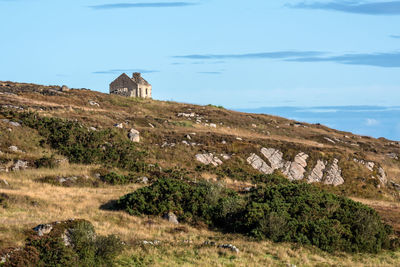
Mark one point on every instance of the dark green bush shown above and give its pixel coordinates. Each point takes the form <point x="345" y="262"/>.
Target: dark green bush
<point x="279" y="210"/>
<point x="108" y="147"/>
<point x="85" y="248"/>
<point x="190" y="203"/>
<point x="305" y="214"/>
<point x="117" y="179"/>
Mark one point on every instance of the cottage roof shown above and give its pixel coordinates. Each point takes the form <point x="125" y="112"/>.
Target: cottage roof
<point x="137" y="78"/>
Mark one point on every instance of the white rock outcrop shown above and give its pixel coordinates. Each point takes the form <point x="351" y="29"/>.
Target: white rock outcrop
<point x="317" y="174"/>
<point x="334" y="174"/>
<point x="295" y="170"/>
<point x="208" y="158"/>
<point x="274" y="156"/>
<point x="259" y="164"/>
<point x="134" y="135"/>
<point x="382" y="176"/>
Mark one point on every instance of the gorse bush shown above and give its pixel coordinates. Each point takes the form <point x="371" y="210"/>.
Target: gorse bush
<point x="82" y="248"/>
<point x="108" y="147"/>
<point x="190" y="203"/>
<point x="283" y="212"/>
<point x="117" y="179"/>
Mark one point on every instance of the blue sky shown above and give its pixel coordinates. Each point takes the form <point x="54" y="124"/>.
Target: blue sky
<point x="232" y="53"/>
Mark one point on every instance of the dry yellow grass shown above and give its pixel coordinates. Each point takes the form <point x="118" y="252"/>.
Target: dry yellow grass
<point x="180" y="245"/>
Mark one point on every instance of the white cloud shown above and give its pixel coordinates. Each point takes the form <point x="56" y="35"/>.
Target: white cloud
<point x="371" y="122"/>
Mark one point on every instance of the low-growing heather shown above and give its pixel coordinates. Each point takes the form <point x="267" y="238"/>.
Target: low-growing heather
<point x="278" y="210"/>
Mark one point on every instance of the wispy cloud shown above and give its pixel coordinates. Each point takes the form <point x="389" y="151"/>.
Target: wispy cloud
<point x="386" y="60"/>
<point x="119" y="71"/>
<point x="395" y="36"/>
<point x="371" y="122"/>
<point x="210" y="72"/>
<point x="358" y="7"/>
<point x="142" y="5"/>
<point x="271" y="55"/>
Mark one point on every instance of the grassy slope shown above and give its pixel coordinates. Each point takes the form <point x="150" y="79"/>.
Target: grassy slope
<point x="33" y="203"/>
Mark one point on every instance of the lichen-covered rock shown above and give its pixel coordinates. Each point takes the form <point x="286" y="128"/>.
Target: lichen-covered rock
<point x="134" y="135"/>
<point x="230" y="247"/>
<point x="334" y="174"/>
<point x="13" y="149"/>
<point x="274" y="156"/>
<point x="43" y="229"/>
<point x="295" y="170"/>
<point x="19" y="165"/>
<point x="382" y="175"/>
<point x="171" y="217"/>
<point x="368" y="164"/>
<point x="317" y="173"/>
<point x="208" y="158"/>
<point x="257" y="163"/>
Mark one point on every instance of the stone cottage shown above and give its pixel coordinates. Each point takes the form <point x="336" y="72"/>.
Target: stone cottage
<point x="131" y="87"/>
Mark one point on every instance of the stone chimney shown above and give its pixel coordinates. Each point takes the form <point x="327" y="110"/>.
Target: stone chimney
<point x="136" y="75"/>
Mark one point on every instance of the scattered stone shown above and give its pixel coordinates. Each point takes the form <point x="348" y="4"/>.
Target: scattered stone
<point x="92" y="128"/>
<point x="213" y="125"/>
<point x="119" y="125"/>
<point x="209" y="243"/>
<point x="329" y="140"/>
<point x="230" y="247"/>
<point x="334" y="174"/>
<point x="226" y="156"/>
<point x="393" y="156"/>
<point x="254" y="125"/>
<point x="395" y="186"/>
<point x="19" y="165"/>
<point x="239" y="139"/>
<point x="188" y="137"/>
<point x="3" y="182"/>
<point x="153" y="243"/>
<point x="185" y="142"/>
<point x="43" y="229"/>
<point x="15" y="124"/>
<point x="223" y="142"/>
<point x="62" y="180"/>
<point x="171" y="217"/>
<point x="151" y="125"/>
<point x="317" y="173"/>
<point x="92" y="103"/>
<point x="187" y="115"/>
<point x="134" y="135"/>
<point x="208" y="158"/>
<point x="13" y="149"/>
<point x="368" y="164"/>
<point x="144" y="180"/>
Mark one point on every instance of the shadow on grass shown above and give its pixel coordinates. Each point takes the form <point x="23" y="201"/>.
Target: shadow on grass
<point x="110" y="206"/>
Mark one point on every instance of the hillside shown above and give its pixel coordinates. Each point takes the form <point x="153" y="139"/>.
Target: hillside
<point x="44" y="179"/>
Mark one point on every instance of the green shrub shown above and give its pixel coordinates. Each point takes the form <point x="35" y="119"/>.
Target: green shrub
<point x="305" y="214"/>
<point x="189" y="203"/>
<point x="278" y="210"/>
<point x="117" y="179"/>
<point x="108" y="147"/>
<point x="85" y="248"/>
